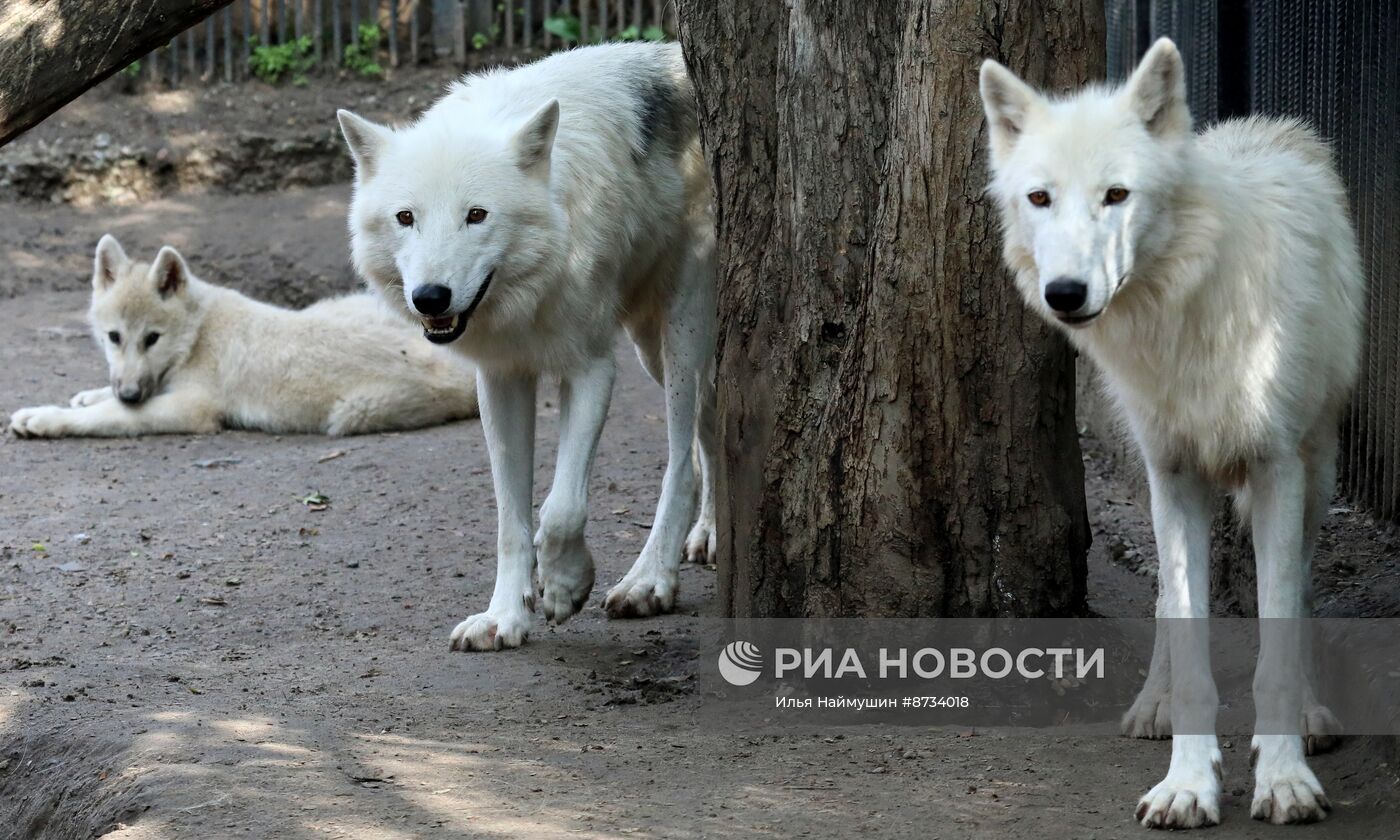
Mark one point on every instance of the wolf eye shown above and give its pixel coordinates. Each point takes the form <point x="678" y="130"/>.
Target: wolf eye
<point x="405" y="217"/>
<point x="151" y="339"/>
<point x="1115" y="195"/>
<point x="476" y="216"/>
<point x="114" y="337"/>
<point x="1040" y="198"/>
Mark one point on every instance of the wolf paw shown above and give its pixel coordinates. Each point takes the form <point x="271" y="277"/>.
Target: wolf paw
<point x="645" y="591"/>
<point x="1321" y="730"/>
<point x="700" y="545"/>
<point x="1285" y="788"/>
<point x="1150" y="717"/>
<point x="82" y="399"/>
<point x="42" y="421"/>
<point x="1189" y="797"/>
<point x="492" y="631"/>
<point x="565" y="578"/>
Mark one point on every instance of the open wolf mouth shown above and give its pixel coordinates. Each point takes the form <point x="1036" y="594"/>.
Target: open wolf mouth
<point x="449" y="328"/>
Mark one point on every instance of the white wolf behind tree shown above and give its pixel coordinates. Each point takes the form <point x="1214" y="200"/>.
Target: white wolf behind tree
<point x="1214" y="279"/>
<point x="527" y="218"/>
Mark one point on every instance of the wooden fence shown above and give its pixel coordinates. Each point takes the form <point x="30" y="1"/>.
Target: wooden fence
<point x="313" y="35"/>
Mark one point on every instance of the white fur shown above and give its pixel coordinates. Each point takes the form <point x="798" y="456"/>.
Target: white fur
<point x="1223" y="308"/>
<point x="597" y="218"/>
<point x="341" y="366"/>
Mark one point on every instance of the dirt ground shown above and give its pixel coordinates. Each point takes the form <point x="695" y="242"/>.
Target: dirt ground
<point x="186" y="650"/>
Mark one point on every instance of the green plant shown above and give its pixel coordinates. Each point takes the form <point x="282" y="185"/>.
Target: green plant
<point x="480" y="41"/>
<point x="564" y="27"/>
<point x="362" y="56"/>
<point x="270" y="62"/>
<point x="132" y="70"/>
<point x="633" y="33"/>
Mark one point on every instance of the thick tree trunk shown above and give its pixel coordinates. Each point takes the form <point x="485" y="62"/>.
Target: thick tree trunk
<point x="897" y="430"/>
<point x="52" y="51"/>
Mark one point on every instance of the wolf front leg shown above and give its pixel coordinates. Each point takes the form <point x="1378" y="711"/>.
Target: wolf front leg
<point x="174" y="412"/>
<point x="565" y="564"/>
<point x="91" y="397"/>
<point x="508" y="419"/>
<point x="1285" y="788"/>
<point x="1189" y="796"/>
<point x="687" y="347"/>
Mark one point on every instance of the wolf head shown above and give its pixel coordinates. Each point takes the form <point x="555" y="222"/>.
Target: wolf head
<point x="458" y="215"/>
<point x="1083" y="182"/>
<point x="142" y="317"/>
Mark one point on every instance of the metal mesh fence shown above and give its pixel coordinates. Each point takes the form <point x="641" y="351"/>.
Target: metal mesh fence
<point x="1335" y="63"/>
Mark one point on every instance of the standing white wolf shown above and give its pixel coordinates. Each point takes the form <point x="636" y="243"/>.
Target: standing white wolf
<point x="526" y="218"/>
<point x="185" y="356"/>
<point x="1214" y="280"/>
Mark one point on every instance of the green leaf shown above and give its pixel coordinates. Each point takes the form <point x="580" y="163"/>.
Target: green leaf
<point x="564" y="27"/>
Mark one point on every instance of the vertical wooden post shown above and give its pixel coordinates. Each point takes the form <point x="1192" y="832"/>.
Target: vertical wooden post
<point x="509" y="7"/>
<point x="393" y="33"/>
<point x="192" y="53"/>
<point x="415" y="31"/>
<point x="337" y="48"/>
<point x="318" y="29"/>
<point x="228" y="44"/>
<point x="658" y="12"/>
<point x="265" y="23"/>
<point x="210" y="53"/>
<point x="281" y="21"/>
<point x="153" y="65"/>
<point x="583" y="27"/>
<point x="174" y="52"/>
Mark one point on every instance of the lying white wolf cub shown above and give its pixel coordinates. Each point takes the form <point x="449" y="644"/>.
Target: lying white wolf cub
<point x="526" y="219"/>
<point x="187" y="356"/>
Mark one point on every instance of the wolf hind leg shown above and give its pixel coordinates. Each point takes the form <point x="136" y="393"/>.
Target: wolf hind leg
<point x="700" y="543"/>
<point x="401" y="406"/>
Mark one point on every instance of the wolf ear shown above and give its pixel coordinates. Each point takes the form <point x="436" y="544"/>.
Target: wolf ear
<point x="1008" y="102"/>
<point x="109" y="262"/>
<point x="169" y="272"/>
<point x="534" y="142"/>
<point x="1157" y="90"/>
<point x="365" y="139"/>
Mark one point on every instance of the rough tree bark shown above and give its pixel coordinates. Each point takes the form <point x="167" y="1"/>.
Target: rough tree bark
<point x="897" y="431"/>
<point x="52" y="51"/>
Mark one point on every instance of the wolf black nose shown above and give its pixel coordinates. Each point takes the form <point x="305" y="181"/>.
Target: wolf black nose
<point x="131" y="395"/>
<point x="432" y="299"/>
<point x="1064" y="295"/>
